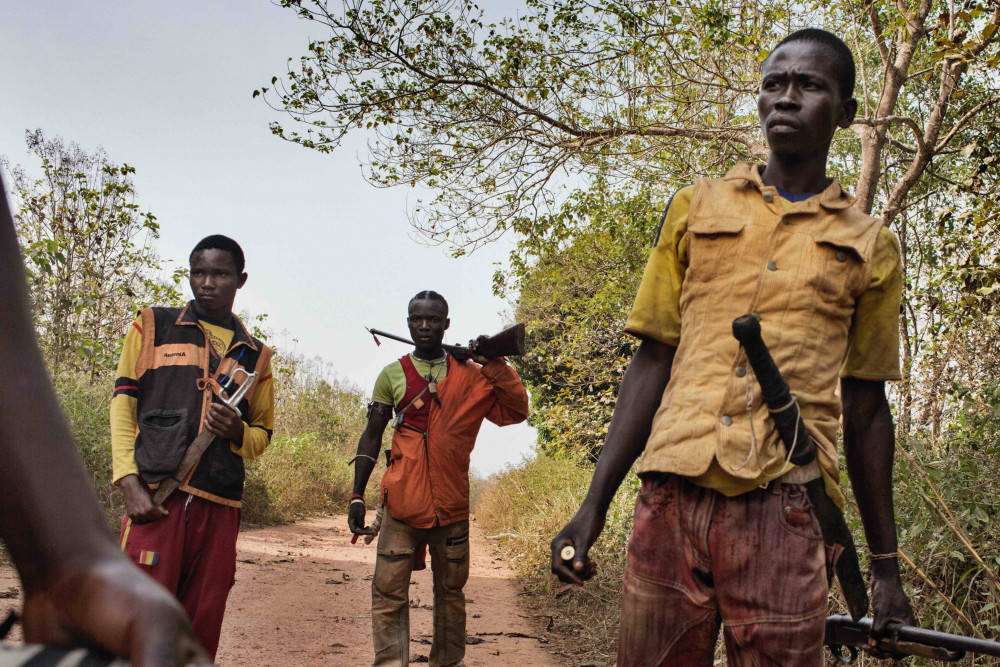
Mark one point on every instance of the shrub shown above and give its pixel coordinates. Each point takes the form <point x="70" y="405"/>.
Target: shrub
<point x="299" y="476"/>
<point x="85" y="401"/>
<point x="525" y="507"/>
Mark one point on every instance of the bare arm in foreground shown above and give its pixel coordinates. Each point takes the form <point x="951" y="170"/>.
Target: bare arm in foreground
<point x="639" y="397"/>
<point x="78" y="586"/>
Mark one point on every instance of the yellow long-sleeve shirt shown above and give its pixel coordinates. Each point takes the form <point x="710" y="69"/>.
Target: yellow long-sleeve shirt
<point x="257" y="426"/>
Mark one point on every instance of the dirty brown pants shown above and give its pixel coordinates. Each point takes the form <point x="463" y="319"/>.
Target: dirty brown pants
<point x="397" y="543"/>
<point x="754" y="563"/>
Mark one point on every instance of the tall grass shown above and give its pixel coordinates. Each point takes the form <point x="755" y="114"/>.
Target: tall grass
<point x="524" y="507"/>
<point x="947" y="500"/>
<point x="85" y="402"/>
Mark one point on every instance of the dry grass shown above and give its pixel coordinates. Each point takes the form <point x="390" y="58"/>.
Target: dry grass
<point x="524" y="508"/>
<point x="300" y="476"/>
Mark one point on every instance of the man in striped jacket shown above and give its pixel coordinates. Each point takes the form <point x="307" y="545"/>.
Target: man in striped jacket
<point x="172" y="364"/>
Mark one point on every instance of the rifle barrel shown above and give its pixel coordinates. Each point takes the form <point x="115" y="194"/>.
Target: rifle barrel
<point x="460" y="352"/>
<point x="924" y="636"/>
<point x="386" y="334"/>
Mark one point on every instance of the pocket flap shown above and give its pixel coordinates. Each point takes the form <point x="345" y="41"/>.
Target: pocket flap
<point x="856" y="239"/>
<point x="716" y="225"/>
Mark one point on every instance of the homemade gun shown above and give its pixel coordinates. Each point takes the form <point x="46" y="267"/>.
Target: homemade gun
<point x="231" y="398"/>
<point x="900" y="640"/>
<point x="507" y="343"/>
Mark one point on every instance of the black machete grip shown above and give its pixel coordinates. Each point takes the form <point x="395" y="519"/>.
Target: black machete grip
<point x="775" y="391"/>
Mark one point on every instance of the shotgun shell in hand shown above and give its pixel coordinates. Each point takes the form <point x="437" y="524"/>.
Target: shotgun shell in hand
<point x="567" y="552"/>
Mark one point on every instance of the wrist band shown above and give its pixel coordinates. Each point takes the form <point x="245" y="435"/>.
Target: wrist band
<point x="357" y="500"/>
<point x="889" y="556"/>
<point x="362" y="456"/>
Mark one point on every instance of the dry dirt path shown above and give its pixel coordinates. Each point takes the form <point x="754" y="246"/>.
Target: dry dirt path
<point x="303" y="597"/>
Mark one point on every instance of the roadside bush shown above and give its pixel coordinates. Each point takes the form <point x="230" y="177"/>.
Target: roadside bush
<point x="304" y="472"/>
<point x="85" y="400"/>
<point x="524" y="508"/>
<point x="299" y="476"/>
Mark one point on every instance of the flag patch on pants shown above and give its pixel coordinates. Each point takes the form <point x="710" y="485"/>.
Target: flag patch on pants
<point x="149" y="558"/>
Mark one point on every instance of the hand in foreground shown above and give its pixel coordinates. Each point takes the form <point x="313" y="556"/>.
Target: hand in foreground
<point x="889" y="604"/>
<point x="224" y="422"/>
<point x="138" y="502"/>
<point x="111" y="604"/>
<point x="356" y="519"/>
<point x="580" y="533"/>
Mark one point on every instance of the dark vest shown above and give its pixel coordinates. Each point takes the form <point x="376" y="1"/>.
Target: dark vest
<point x="175" y="362"/>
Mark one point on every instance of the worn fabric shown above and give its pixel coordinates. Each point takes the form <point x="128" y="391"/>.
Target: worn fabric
<point x="698" y="559"/>
<point x="825" y="280"/>
<point x="161" y="396"/>
<point x="427" y="481"/>
<point x="192" y="553"/>
<point x="397" y="545"/>
<point x="391" y="383"/>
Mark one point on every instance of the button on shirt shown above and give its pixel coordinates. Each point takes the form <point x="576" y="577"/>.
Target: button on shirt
<point x="825" y="279"/>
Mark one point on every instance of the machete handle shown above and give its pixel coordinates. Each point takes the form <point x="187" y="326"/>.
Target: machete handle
<point x="775" y="391"/>
<point x="746" y="329"/>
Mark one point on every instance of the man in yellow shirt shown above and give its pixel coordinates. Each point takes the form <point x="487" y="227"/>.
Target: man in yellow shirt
<point x="173" y="362"/>
<point x="724" y="532"/>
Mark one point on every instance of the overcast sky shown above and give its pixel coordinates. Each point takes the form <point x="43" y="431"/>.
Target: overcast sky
<point x="165" y="87"/>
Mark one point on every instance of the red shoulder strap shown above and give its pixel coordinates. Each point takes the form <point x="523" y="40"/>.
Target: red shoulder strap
<point x="414" y="416"/>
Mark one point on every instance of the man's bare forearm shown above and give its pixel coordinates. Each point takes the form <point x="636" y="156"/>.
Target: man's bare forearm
<point x="869" y="447"/>
<point x="368" y="446"/>
<point x="51" y="516"/>
<point x="638" y="399"/>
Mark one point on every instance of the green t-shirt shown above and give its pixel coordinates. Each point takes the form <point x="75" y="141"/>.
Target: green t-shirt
<point x="390" y="387"/>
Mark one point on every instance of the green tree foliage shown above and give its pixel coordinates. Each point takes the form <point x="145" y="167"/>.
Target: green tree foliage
<point x="492" y="115"/>
<point x="87" y="250"/>
<point x="503" y="120"/>
<point x="573" y="123"/>
<point x="576" y="295"/>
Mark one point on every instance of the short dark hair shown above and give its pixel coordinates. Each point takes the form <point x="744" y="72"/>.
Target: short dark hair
<point x="220" y="242"/>
<point x="841" y="54"/>
<point x="429" y="295"/>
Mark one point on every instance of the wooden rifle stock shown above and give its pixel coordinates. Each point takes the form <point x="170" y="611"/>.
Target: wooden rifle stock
<point x="507" y="343"/>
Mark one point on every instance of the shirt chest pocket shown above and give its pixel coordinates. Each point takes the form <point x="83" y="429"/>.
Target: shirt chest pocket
<point x="714" y="246"/>
<point x="836" y="269"/>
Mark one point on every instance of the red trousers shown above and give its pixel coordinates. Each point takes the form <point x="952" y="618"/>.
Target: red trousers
<point x="755" y="564"/>
<point x="191" y="552"/>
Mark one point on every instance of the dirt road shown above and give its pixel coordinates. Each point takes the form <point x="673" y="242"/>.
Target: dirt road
<point x="303" y="595"/>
